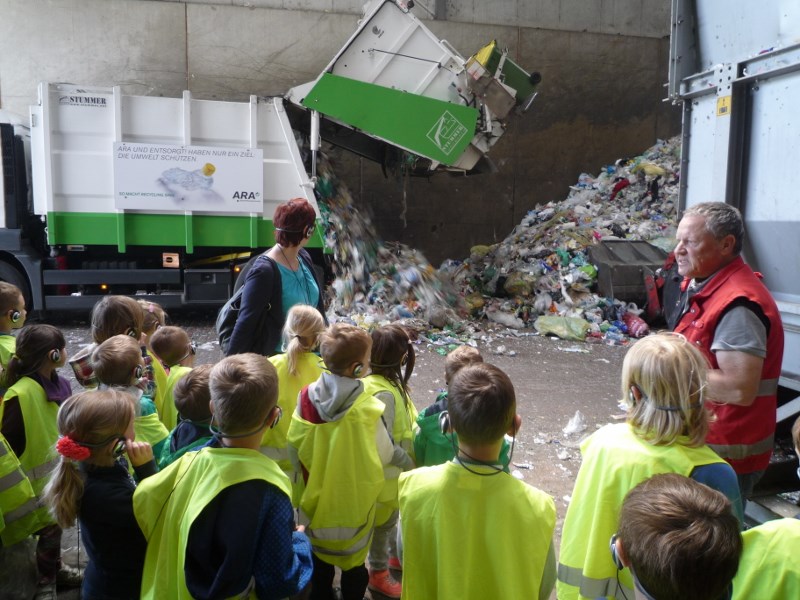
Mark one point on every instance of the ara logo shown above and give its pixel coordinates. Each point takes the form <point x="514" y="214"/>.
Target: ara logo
<point x="96" y="101"/>
<point x="446" y="132"/>
<point x="244" y="196"/>
<point x="377" y="31"/>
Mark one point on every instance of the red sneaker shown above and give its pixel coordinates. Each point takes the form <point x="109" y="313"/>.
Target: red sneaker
<point x="394" y="563"/>
<point x="383" y="583"/>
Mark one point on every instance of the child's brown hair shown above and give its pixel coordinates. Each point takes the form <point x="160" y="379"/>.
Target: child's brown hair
<point x="341" y="345"/>
<point x="171" y="344"/>
<point x="482" y="404"/>
<point x="36" y="345"/>
<point x="9" y="295"/>
<point x="92" y="417"/>
<point x="458" y="359"/>
<point x="393" y="356"/>
<point x="153" y="316"/>
<point x="192" y="394"/>
<point x="114" y="315"/>
<point x="115" y="361"/>
<point x="244" y="388"/>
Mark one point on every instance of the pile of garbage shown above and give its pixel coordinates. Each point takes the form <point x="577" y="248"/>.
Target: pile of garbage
<point x="540" y="276"/>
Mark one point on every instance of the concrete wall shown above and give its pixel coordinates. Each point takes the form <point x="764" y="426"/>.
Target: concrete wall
<point x="604" y="63"/>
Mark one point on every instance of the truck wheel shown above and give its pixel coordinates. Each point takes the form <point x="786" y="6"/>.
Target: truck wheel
<point x="11" y="275"/>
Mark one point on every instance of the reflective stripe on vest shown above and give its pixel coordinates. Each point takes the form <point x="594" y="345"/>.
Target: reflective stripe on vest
<point x="767" y="387"/>
<point x="592" y="588"/>
<point x="42" y="470"/>
<point x="10" y="480"/>
<point x="274" y="442"/>
<point x="345" y="476"/>
<point x="740" y="451"/>
<point x="39" y="417"/>
<point x="18" y="505"/>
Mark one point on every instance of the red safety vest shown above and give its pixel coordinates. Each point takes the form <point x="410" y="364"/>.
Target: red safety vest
<point x="742" y="435"/>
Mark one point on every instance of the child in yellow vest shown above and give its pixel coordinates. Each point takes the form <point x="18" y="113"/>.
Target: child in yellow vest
<point x="91" y="483"/>
<point x="29" y="412"/>
<point x="153" y="318"/>
<point x="218" y="521"/>
<point x="176" y="351"/>
<point x="680" y="539"/>
<point x="12" y="316"/>
<point x="469" y="529"/>
<point x="118" y="364"/>
<point x="338" y="443"/>
<point x="192" y="400"/>
<point x="663" y="382"/>
<point x="391" y="366"/>
<point x="298" y="366"/>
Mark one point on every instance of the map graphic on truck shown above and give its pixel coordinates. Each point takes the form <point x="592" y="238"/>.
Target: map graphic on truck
<point x="190" y="185"/>
<point x="167" y="177"/>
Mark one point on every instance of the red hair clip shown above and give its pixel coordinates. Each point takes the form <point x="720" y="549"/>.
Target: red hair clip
<point x="69" y="448"/>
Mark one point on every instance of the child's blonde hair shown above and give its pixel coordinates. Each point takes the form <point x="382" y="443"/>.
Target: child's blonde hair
<point x="192" y="396"/>
<point x="670" y="376"/>
<point x="114" y="361"/>
<point x="304" y="325"/>
<point x="341" y="345"/>
<point x="91" y="417"/>
<point x="244" y="388"/>
<point x="171" y="345"/>
<point x="114" y="315"/>
<point x="459" y="358"/>
<point x="153" y="316"/>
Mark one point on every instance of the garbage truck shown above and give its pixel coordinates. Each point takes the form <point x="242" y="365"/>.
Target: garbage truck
<point x="735" y="72"/>
<point x="163" y="198"/>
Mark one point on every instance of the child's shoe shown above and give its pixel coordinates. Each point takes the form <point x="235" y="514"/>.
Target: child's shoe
<point x="395" y="564"/>
<point x="69" y="576"/>
<point x="383" y="583"/>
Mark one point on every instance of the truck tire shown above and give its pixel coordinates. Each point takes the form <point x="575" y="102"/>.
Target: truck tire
<point x="10" y="274"/>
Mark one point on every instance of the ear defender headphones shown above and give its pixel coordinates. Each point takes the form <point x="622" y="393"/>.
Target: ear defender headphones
<point x="444" y="422"/>
<point x="307" y="231"/>
<point x="403" y="361"/>
<point x="131" y="332"/>
<point x="55" y="355"/>
<point x="277" y="420"/>
<point x="14" y="315"/>
<point x="138" y="371"/>
<point x="614" y="555"/>
<point x="357" y="370"/>
<point x="632" y="396"/>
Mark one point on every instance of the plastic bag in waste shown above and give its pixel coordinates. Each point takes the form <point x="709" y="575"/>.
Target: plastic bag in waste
<point x="576" y="424"/>
<point x="567" y="328"/>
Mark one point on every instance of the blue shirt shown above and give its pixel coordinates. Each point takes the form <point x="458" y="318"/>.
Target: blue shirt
<point x="297" y="287"/>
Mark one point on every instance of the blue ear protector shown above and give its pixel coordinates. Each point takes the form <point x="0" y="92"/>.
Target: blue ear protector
<point x="614" y="556"/>
<point x="15" y="316"/>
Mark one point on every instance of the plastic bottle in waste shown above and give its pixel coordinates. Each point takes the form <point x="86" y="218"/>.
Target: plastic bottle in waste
<point x="614" y="337"/>
<point x="636" y="326"/>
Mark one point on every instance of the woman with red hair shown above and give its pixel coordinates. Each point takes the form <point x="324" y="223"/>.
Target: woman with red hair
<point x="277" y="280"/>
